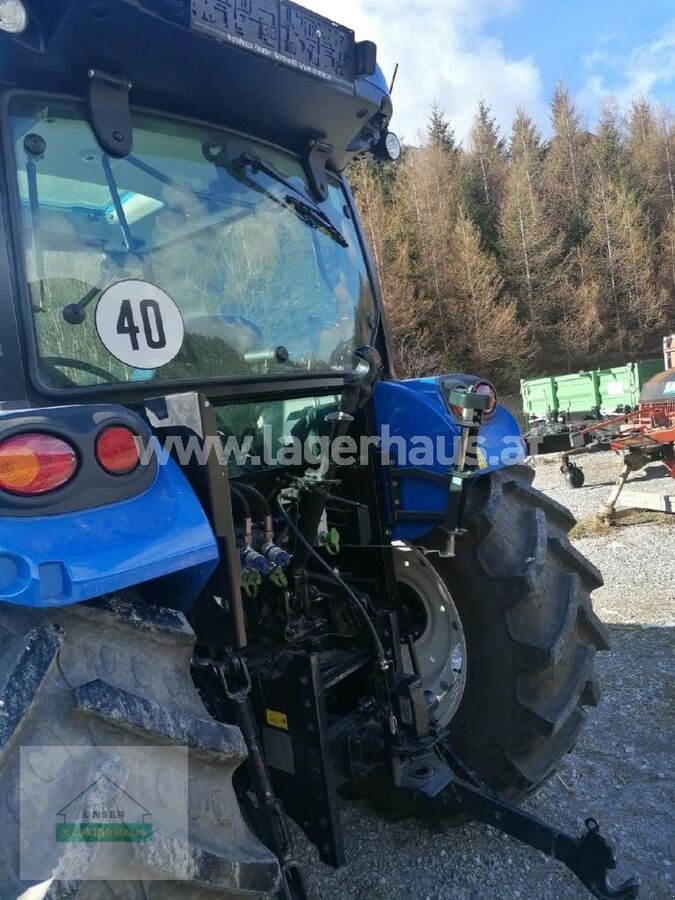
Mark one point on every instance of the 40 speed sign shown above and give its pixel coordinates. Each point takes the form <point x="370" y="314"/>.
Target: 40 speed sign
<point x="139" y="324"/>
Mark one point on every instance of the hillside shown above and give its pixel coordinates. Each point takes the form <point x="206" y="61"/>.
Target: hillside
<point x="514" y="256"/>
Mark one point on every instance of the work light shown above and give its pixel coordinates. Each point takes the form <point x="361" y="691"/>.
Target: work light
<point x="388" y="147"/>
<point x="393" y="146"/>
<point x="13" y="16"/>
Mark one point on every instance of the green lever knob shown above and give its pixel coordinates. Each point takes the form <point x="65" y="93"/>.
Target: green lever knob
<point x="278" y="577"/>
<point x="251" y="583"/>
<point x="330" y="541"/>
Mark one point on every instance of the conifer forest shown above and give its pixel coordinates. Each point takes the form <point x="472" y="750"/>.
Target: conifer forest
<point x="511" y="255"/>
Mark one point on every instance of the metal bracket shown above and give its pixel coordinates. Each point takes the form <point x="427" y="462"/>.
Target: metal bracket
<point x="403" y="691"/>
<point x="109" y="112"/>
<point x="268" y="814"/>
<point x="299" y="753"/>
<point x="315" y="163"/>
<point x="219" y="620"/>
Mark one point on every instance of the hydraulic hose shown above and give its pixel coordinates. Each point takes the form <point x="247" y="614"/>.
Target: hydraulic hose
<point x="356" y="601"/>
<point x="264" y="505"/>
<point x="246" y="509"/>
<point x="256" y="495"/>
<point x="241" y="498"/>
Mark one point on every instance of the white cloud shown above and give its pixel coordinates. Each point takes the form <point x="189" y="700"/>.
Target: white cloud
<point x="444" y="54"/>
<point x="646" y="69"/>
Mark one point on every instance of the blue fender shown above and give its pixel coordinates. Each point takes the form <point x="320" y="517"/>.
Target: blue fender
<point x="418" y="434"/>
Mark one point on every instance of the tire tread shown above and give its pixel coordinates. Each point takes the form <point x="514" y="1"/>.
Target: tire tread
<point x="517" y="563"/>
<point x="53" y="693"/>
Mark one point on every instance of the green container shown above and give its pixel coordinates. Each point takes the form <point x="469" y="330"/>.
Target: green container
<point x="582" y="394"/>
<point x="623" y="386"/>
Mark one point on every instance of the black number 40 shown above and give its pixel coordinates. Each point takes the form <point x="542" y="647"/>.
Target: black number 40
<point x="155" y="336"/>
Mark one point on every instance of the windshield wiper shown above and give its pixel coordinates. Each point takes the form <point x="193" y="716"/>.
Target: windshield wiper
<point x="313" y="216"/>
<point x="305" y="209"/>
<point x="205" y="196"/>
<point x="75" y="313"/>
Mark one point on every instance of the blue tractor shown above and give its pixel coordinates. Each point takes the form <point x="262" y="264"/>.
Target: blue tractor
<point x="242" y="567"/>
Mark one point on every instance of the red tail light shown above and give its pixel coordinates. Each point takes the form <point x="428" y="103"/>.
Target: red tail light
<point x="486" y="388"/>
<point x="117" y="450"/>
<point x="33" y="464"/>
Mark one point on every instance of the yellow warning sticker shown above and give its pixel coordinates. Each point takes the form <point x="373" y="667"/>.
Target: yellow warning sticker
<point x="276" y="719"/>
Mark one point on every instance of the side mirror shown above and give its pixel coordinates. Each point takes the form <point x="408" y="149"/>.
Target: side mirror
<point x="358" y="388"/>
<point x="368" y="366"/>
<point x="367" y="373"/>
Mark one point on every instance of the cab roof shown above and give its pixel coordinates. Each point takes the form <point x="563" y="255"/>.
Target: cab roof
<point x="275" y="70"/>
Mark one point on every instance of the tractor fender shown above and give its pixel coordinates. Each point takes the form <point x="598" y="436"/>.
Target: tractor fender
<point x="418" y="433"/>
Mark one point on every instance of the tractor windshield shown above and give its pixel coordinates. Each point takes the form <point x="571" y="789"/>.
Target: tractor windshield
<point x="200" y="256"/>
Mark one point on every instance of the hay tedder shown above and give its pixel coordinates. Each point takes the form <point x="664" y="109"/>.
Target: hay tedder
<point x="642" y="437"/>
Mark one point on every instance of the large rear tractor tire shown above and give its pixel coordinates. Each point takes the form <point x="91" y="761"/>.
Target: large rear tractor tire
<point x="522" y="592"/>
<point x="81" y="686"/>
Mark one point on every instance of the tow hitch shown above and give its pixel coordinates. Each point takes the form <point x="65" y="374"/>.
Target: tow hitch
<point x="590" y="856"/>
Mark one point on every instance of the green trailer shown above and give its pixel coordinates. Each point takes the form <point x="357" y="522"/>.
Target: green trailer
<point x="588" y="393"/>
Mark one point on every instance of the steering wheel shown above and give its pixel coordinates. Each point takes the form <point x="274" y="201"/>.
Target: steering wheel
<point x="65" y="362"/>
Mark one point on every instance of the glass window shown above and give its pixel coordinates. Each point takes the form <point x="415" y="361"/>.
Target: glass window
<point x="265" y="280"/>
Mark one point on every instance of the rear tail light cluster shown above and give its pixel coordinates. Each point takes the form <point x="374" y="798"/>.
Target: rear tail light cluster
<point x="34" y="464"/>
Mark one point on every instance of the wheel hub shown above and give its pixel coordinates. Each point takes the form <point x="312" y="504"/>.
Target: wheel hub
<point x="428" y="616"/>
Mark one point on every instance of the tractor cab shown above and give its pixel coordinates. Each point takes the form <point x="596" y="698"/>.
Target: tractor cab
<point x="201" y="170"/>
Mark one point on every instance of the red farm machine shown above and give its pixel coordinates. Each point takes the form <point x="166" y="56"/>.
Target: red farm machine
<point x="643" y="436"/>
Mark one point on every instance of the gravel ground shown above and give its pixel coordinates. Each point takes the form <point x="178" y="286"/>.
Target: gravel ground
<point x="621" y="771"/>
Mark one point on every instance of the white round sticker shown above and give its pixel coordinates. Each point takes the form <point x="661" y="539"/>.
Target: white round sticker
<point x="140" y="324"/>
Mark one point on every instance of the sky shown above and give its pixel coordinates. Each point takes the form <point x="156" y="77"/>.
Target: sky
<point x="512" y="53"/>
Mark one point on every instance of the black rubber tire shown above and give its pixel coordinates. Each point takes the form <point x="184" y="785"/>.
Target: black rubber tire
<point x="523" y="595"/>
<point x="116" y="673"/>
<point x="574" y="477"/>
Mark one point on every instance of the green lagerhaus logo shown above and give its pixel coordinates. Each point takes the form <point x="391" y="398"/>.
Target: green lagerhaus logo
<point x="92" y="818"/>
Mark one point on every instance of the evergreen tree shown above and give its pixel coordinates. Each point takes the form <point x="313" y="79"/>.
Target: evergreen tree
<point x="529" y="258"/>
<point x="667" y="266"/>
<point x="428" y="195"/>
<point x="368" y="186"/>
<point x="581" y="316"/>
<point x="526" y="151"/>
<point x="643" y="147"/>
<point x="439" y="130"/>
<point x="625" y="264"/>
<point x="485" y="173"/>
<point x="667" y="143"/>
<point x="531" y="253"/>
<point x="608" y="149"/>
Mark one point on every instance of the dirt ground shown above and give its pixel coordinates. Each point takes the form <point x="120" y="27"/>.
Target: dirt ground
<point x="621" y="771"/>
